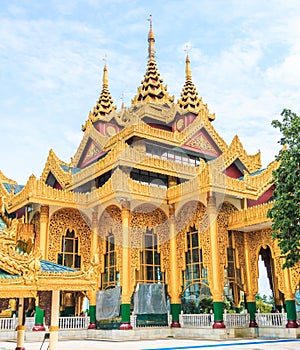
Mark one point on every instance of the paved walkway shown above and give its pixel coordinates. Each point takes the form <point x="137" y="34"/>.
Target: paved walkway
<point x="164" y="344"/>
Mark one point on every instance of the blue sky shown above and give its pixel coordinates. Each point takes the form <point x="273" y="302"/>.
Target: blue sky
<point x="245" y="58"/>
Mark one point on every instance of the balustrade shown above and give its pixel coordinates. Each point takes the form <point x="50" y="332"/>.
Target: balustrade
<point x="236" y="320"/>
<point x="196" y="320"/>
<point x="8" y="323"/>
<point x="271" y="319"/>
<point x="76" y="322"/>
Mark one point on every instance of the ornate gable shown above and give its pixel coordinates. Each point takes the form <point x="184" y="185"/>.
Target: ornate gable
<point x="91" y="153"/>
<point x="203" y="143"/>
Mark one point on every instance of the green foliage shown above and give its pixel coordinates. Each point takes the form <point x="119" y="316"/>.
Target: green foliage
<point x="286" y="210"/>
<point x="264" y="304"/>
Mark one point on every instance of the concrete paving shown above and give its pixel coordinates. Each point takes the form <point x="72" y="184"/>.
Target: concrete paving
<point x="164" y="344"/>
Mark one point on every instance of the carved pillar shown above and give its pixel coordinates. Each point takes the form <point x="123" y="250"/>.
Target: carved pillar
<point x="21" y="325"/>
<point x="53" y="340"/>
<point x="217" y="276"/>
<point x="126" y="267"/>
<point x="92" y="309"/>
<point x="38" y="317"/>
<point x="94" y="247"/>
<point x="95" y="234"/>
<point x="44" y="227"/>
<point x="174" y="277"/>
<point x="289" y="301"/>
<point x="251" y="285"/>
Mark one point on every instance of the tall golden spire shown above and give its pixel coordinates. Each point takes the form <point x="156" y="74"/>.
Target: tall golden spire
<point x="188" y="71"/>
<point x="104" y="104"/>
<point x="152" y="89"/>
<point x="151" y="40"/>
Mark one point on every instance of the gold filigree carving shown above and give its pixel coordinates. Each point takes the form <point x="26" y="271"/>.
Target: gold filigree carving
<point x="69" y="219"/>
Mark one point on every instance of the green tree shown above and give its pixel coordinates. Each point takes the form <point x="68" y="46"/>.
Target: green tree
<point x="263" y="303"/>
<point x="286" y="210"/>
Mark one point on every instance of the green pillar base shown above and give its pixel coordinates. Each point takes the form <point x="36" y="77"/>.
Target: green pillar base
<point x="251" y="307"/>
<point x="218" y="315"/>
<point x="92" y="312"/>
<point x="38" y="320"/>
<point x="125" y="312"/>
<point x="291" y="314"/>
<point x="175" y="311"/>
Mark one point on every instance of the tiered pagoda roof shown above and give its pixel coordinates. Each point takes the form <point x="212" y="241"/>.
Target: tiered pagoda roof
<point x="190" y="101"/>
<point x="152" y="88"/>
<point x="104" y="104"/>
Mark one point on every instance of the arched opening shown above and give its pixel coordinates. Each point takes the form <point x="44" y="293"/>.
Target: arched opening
<point x="196" y="296"/>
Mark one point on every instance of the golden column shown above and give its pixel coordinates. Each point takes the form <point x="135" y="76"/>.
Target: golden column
<point x="21" y="325"/>
<point x="94" y="247"/>
<point x="44" y="227"/>
<point x="251" y="287"/>
<point x="289" y="300"/>
<point x="174" y="276"/>
<point x="53" y="340"/>
<point x="215" y="268"/>
<point x="126" y="267"/>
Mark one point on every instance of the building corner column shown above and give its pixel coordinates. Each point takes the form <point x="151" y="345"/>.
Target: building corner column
<point x="251" y="286"/>
<point x="21" y="325"/>
<point x="174" y="279"/>
<point x="217" y="288"/>
<point x="290" y="303"/>
<point x="92" y="309"/>
<point x="126" y="267"/>
<point x="54" y="327"/>
<point x="38" y="317"/>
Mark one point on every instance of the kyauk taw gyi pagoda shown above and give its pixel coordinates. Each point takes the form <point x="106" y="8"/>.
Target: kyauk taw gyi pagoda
<point x="154" y="217"/>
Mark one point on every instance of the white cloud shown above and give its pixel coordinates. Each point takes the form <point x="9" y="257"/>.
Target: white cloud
<point x="244" y="56"/>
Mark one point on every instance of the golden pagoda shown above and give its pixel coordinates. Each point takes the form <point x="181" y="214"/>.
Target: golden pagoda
<point x="152" y="197"/>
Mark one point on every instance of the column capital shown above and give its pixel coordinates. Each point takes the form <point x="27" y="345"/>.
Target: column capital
<point x="44" y="211"/>
<point x="172" y="211"/>
<point x="211" y="199"/>
<point x="95" y="217"/>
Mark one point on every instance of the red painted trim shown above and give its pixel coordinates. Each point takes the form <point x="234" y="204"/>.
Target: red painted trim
<point x="126" y="326"/>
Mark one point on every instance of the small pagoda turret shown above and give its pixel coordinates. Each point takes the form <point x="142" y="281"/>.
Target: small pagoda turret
<point x="104" y="105"/>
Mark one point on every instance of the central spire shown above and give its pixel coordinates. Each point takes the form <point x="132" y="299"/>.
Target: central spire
<point x="152" y="90"/>
<point x="151" y="40"/>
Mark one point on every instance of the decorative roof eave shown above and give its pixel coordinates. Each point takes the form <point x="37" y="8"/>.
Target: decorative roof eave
<point x="247" y="218"/>
<point x="236" y="151"/>
<point x="3" y="178"/>
<point x="209" y="179"/>
<point x="53" y="165"/>
<point x="262" y="181"/>
<point x="36" y="191"/>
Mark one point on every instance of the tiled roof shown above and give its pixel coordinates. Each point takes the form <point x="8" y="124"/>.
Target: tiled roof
<point x="6" y="275"/>
<point x="9" y="187"/>
<point x="48" y="266"/>
<point x="253" y="174"/>
<point x="66" y="169"/>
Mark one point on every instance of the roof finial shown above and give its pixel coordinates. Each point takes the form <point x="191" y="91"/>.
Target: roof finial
<point x="123" y="103"/>
<point x="151" y="40"/>
<point x="188" y="71"/>
<point x="105" y="75"/>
